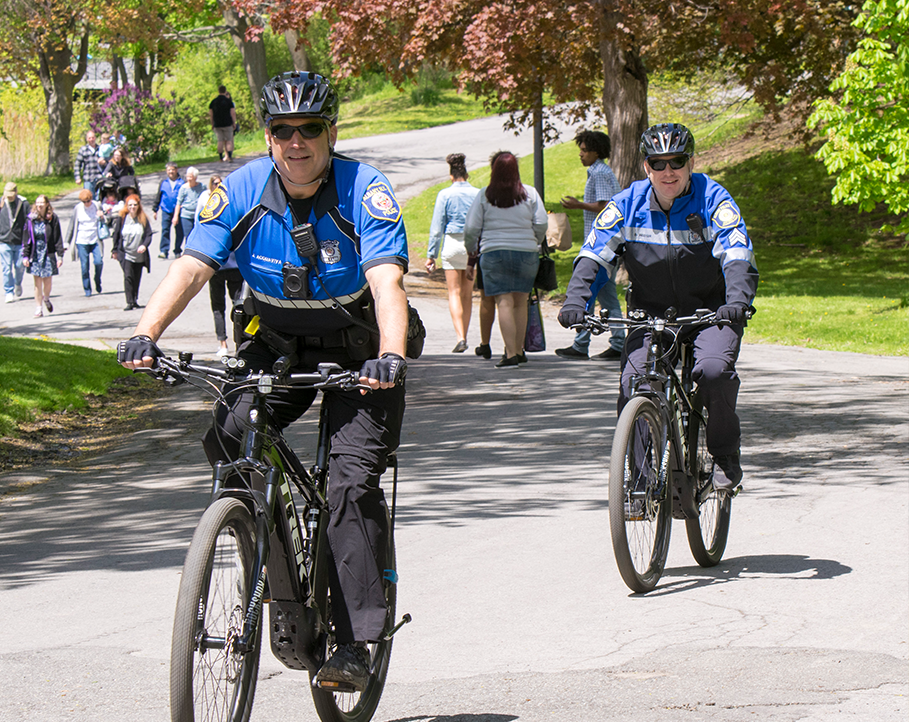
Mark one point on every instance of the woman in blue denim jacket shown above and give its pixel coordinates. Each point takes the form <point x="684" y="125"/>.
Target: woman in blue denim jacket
<point x="446" y="241"/>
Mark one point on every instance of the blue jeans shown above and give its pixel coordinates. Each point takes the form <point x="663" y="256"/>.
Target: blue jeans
<point x="93" y="251"/>
<point x="167" y="218"/>
<point x="90" y="186"/>
<point x="186" y="227"/>
<point x="13" y="270"/>
<point x="609" y="299"/>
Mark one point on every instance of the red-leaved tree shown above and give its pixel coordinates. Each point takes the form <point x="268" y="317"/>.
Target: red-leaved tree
<point x="582" y="51"/>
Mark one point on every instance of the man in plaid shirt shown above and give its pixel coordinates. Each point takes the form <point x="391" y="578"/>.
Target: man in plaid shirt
<point x="88" y="171"/>
<point x="595" y="147"/>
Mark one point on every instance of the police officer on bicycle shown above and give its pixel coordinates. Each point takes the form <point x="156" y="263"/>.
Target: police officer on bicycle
<point x="686" y="247"/>
<point x="320" y="242"/>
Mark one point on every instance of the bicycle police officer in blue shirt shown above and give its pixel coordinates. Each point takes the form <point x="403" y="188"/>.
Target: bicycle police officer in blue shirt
<point x="320" y="242"/>
<point x="685" y="247"/>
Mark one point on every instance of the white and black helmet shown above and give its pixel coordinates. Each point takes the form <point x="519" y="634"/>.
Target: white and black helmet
<point x="667" y="139"/>
<point x="299" y="94"/>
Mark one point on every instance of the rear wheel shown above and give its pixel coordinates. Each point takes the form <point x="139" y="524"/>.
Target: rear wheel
<point x="639" y="503"/>
<point x="707" y="534"/>
<point x="361" y="706"/>
<point x="210" y="679"/>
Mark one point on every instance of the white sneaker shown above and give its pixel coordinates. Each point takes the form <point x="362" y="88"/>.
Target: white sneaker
<point x="222" y="352"/>
<point x="18" y="290"/>
<point x="10" y="298"/>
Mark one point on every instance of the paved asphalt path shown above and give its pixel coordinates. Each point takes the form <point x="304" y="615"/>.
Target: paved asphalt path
<point x="503" y="544"/>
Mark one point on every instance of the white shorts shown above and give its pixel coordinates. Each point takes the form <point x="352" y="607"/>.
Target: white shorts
<point x="454" y="253"/>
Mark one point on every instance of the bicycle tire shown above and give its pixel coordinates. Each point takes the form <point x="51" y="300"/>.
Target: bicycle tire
<point x="708" y="533"/>
<point x="212" y="682"/>
<point x="639" y="519"/>
<point x="361" y="706"/>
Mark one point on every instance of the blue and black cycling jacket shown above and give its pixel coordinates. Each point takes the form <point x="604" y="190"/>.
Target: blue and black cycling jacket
<point x="668" y="263"/>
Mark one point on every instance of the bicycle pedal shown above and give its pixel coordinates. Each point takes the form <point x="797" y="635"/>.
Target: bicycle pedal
<point x="330" y="686"/>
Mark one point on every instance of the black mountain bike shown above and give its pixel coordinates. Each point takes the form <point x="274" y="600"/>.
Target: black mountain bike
<point x="660" y="468"/>
<point x="259" y="542"/>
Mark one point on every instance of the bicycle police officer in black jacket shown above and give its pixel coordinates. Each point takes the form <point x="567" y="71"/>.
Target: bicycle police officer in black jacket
<point x="320" y="242"/>
<point x="686" y="247"/>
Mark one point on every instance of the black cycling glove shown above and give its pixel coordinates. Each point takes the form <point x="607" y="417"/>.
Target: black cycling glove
<point x="137" y="348"/>
<point x="732" y="312"/>
<point x="390" y="368"/>
<point x="578" y="294"/>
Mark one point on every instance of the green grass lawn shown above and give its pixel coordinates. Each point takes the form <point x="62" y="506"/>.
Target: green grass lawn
<point x="39" y="376"/>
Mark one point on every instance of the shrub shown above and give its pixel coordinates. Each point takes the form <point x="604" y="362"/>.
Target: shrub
<point x="150" y="123"/>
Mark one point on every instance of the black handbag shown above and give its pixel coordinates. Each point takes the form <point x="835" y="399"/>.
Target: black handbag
<point x="546" y="279"/>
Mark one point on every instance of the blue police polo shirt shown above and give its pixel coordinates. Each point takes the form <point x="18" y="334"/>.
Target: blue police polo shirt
<point x="357" y="223"/>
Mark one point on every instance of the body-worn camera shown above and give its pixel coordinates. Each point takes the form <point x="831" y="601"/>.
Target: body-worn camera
<point x="296" y="278"/>
<point x="296" y="281"/>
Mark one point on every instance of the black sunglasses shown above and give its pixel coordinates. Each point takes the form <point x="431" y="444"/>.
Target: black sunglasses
<point x="675" y="163"/>
<point x="308" y="131"/>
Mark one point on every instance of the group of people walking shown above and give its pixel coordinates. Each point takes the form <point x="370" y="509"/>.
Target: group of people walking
<point x="33" y="241"/>
<point x="511" y="220"/>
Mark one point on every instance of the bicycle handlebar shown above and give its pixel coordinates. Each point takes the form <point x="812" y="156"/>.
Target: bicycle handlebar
<point x="640" y="319"/>
<point x="329" y="376"/>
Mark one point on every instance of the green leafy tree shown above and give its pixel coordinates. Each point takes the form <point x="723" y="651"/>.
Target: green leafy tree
<point x="867" y="123"/>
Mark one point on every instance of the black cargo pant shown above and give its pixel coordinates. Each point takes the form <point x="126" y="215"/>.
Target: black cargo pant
<point x="716" y="349"/>
<point x="364" y="429"/>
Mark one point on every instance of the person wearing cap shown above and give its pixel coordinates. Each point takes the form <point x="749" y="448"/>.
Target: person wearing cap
<point x="14" y="210"/>
<point x="313" y="293"/>
<point x="685" y="247"/>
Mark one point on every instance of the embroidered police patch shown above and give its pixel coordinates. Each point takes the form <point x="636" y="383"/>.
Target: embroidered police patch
<point x="215" y="205"/>
<point x="380" y="202"/>
<point x="330" y="252"/>
<point x="727" y="215"/>
<point x="608" y="217"/>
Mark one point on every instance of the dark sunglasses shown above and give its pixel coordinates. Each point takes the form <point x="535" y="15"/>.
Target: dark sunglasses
<point x="674" y="163"/>
<point x="307" y="131"/>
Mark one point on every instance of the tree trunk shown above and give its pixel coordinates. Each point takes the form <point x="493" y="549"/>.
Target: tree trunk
<point x="59" y="80"/>
<point x="538" y="181"/>
<point x="144" y="76"/>
<point x="253" y="55"/>
<point x="297" y="51"/>
<point x="624" y="95"/>
<point x="118" y="76"/>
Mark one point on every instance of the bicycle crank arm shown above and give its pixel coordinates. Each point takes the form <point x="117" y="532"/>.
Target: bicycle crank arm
<point x="406" y="619"/>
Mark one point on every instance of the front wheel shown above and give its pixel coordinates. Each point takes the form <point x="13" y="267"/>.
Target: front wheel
<point x="707" y="534"/>
<point x="639" y="504"/>
<point x="361" y="706"/>
<point x="210" y="679"/>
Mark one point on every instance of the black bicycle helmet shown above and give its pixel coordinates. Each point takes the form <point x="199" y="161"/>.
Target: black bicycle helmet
<point x="667" y="139"/>
<point x="297" y="94"/>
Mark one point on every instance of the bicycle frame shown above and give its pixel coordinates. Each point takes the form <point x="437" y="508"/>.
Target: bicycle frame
<point x="672" y="394"/>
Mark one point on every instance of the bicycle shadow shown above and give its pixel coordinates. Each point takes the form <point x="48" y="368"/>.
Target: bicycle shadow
<point x="459" y="718"/>
<point x="779" y="566"/>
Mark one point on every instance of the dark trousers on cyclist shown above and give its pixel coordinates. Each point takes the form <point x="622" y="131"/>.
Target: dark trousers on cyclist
<point x="716" y="349"/>
<point x="364" y="429"/>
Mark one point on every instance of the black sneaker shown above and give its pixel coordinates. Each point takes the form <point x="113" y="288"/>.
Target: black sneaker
<point x="610" y="354"/>
<point x="347" y="670"/>
<point x="572" y="353"/>
<point x="483" y="350"/>
<point x="727" y="473"/>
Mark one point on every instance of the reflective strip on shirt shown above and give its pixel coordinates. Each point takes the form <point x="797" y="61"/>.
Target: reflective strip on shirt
<point x="310" y="304"/>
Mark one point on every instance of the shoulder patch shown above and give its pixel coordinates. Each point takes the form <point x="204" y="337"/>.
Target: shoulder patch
<point x="727" y="215"/>
<point x="380" y="202"/>
<point x="608" y="217"/>
<point x="215" y="205"/>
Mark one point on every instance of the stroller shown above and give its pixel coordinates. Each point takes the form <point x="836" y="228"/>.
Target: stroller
<point x="126" y="185"/>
